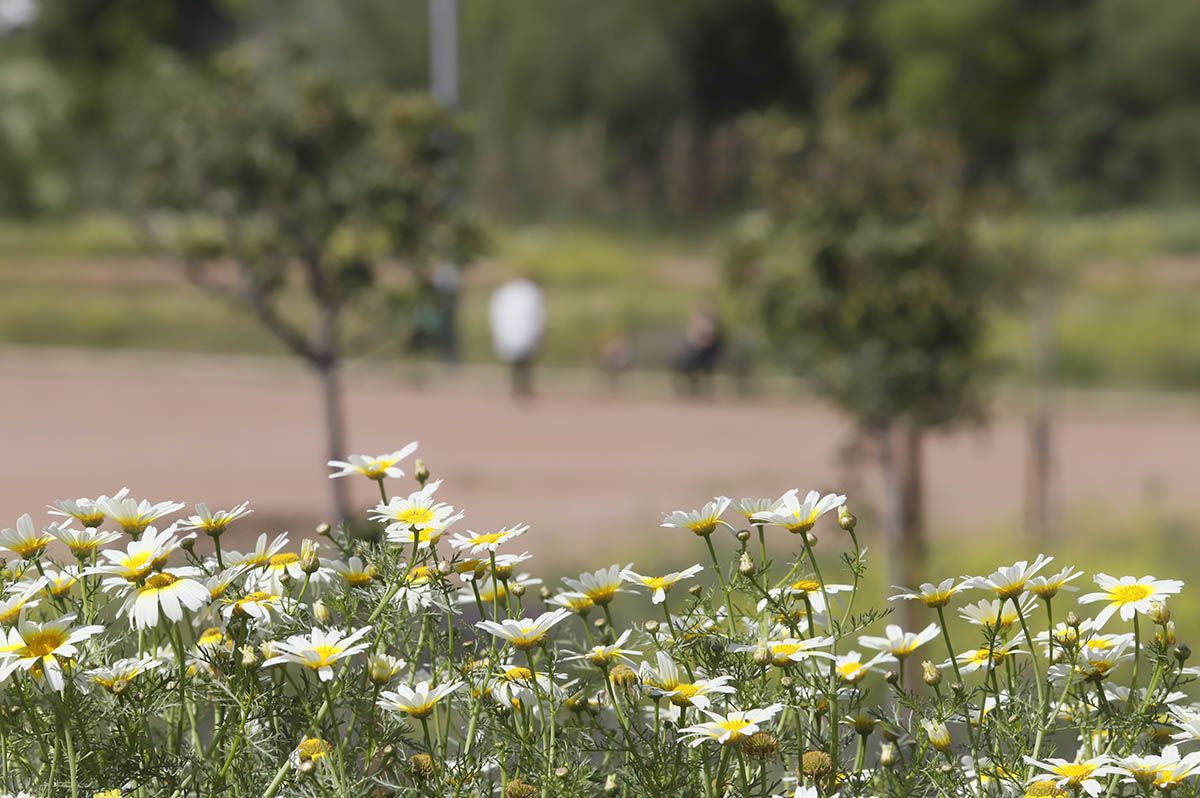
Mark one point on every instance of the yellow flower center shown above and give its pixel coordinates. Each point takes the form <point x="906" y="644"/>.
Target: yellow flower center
<point x="1075" y="772"/>
<point x="806" y="586"/>
<point x="325" y="654"/>
<point x="490" y="537"/>
<point x="657" y="583"/>
<point x="734" y="727"/>
<point x="1128" y="594"/>
<point x="43" y="643"/>
<point x="211" y="636"/>
<point x="160" y="581"/>
<point x="359" y="578"/>
<point x="518" y="674"/>
<point x="602" y="595"/>
<point x="137" y="563"/>
<point x="683" y="694"/>
<point x="850" y="670"/>
<point x="286" y="558"/>
<point x="416" y="515"/>
<point x="313" y="748"/>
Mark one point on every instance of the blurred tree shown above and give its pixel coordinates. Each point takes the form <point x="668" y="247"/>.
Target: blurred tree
<point x="884" y="312"/>
<point x="1118" y="123"/>
<point x="289" y="196"/>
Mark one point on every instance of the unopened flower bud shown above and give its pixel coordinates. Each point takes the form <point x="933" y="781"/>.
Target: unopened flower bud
<point x="930" y="674"/>
<point x="321" y="613"/>
<point x="786" y="682"/>
<point x="249" y="658"/>
<point x="888" y="756"/>
<point x="323" y="529"/>
<point x="611" y="787"/>
<point x="561" y="773"/>
<point x="382" y="668"/>
<point x="1159" y="613"/>
<point x="444" y="568"/>
<point x="939" y="735"/>
<point x="742" y="535"/>
<point x="812" y="539"/>
<point x="517" y="589"/>
<point x="746" y="565"/>
<point x="651" y="626"/>
<point x="892" y="678"/>
<point x="544" y="592"/>
<point x="600" y="623"/>
<point x="310" y="563"/>
<point x="1166" y="634"/>
<point x="957" y="687"/>
<point x="306" y="767"/>
<point x="762" y="655"/>
<point x="695" y="590"/>
<point x="188" y="544"/>
<point x="1073" y="620"/>
<point x="1182" y="652"/>
<point x="846" y="519"/>
<point x="421" y="472"/>
<point x="761" y="746"/>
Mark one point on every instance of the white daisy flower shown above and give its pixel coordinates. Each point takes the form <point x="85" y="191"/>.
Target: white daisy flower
<point x="525" y="633"/>
<point x="1129" y="595"/>
<point x="83" y="543"/>
<point x="123" y="671"/>
<point x="702" y="522"/>
<point x="417" y="701"/>
<point x="24" y="540"/>
<point x="852" y="670"/>
<point x="1083" y="775"/>
<point x="477" y="542"/>
<point x="898" y="642"/>
<point x="798" y="516"/>
<point x="1047" y="587"/>
<point x="931" y="595"/>
<point x="164" y="593"/>
<point x="43" y="648"/>
<point x="262" y="553"/>
<point x="139" y="558"/>
<point x="665" y="680"/>
<point x="319" y="650"/>
<point x="134" y="516"/>
<point x="730" y="728"/>
<point x="988" y="656"/>
<point x="600" y="586"/>
<point x="376" y="468"/>
<point x="89" y="512"/>
<point x="1009" y="581"/>
<point x="214" y="523"/>
<point x="659" y="586"/>
<point x="605" y="655"/>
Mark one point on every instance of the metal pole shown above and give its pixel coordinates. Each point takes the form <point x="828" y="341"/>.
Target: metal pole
<point x="443" y="52"/>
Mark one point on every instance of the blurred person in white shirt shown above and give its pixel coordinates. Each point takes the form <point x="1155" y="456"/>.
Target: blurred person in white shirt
<point x="517" y="316"/>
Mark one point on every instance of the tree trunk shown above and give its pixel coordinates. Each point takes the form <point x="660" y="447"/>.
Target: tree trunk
<point x="335" y="435"/>
<point x="903" y="519"/>
<point x="1039" y="510"/>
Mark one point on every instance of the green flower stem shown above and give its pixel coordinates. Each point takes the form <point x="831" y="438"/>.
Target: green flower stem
<point x="1037" y="668"/>
<point x="712" y="552"/>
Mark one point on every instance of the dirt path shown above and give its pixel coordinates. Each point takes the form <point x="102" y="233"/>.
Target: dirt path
<point x="590" y="473"/>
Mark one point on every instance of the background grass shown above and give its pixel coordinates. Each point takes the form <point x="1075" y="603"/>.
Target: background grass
<point x="1130" y="284"/>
